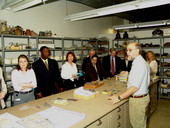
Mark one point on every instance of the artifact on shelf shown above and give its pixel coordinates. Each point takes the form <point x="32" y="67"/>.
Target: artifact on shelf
<point x="118" y="35"/>
<point x="49" y="44"/>
<point x="73" y="47"/>
<point x="157" y="33"/>
<point x="18" y="30"/>
<point x="165" y="64"/>
<point x="28" y="32"/>
<point x="167" y="44"/>
<point x="125" y="43"/>
<point x="125" y="35"/>
<point x="165" y="85"/>
<point x="167" y="73"/>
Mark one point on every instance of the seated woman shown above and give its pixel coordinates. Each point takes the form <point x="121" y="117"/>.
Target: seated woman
<point x="69" y="73"/>
<point x="3" y="90"/>
<point x="151" y="60"/>
<point x="94" y="70"/>
<point x="23" y="81"/>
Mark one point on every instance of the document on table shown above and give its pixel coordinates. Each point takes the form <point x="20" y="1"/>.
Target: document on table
<point x="9" y="121"/>
<point x="53" y="117"/>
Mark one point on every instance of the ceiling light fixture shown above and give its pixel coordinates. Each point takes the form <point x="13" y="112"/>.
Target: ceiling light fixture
<point x="142" y="25"/>
<point x="128" y="6"/>
<point x="17" y="5"/>
<point x="27" y="5"/>
<point x="8" y="4"/>
<point x="151" y="24"/>
<point x="129" y="26"/>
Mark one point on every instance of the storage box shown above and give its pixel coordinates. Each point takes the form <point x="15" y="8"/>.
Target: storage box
<point x="47" y="45"/>
<point x="121" y="78"/>
<point x="84" y="94"/>
<point x="90" y="85"/>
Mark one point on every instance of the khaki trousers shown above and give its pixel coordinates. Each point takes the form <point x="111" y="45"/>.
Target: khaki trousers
<point x="137" y="111"/>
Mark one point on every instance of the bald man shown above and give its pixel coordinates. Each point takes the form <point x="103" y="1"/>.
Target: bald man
<point x="137" y="89"/>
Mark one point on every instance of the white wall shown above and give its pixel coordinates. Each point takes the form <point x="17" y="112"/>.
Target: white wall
<point x="51" y="17"/>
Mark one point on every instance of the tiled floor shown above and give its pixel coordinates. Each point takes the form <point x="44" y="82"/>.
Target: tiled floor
<point x="161" y="117"/>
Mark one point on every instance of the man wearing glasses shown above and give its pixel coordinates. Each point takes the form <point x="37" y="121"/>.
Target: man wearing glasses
<point x="137" y="87"/>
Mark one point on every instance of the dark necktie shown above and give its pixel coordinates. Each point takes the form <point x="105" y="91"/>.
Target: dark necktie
<point x="112" y="66"/>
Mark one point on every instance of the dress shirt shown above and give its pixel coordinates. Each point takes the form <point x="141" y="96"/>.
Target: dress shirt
<point x="139" y="76"/>
<point x="3" y="88"/>
<point x="153" y="65"/>
<point x="111" y="63"/>
<point x="46" y="60"/>
<point x="68" y="70"/>
<point x="19" y="79"/>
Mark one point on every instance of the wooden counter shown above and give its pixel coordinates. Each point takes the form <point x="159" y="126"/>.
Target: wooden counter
<point x="98" y="112"/>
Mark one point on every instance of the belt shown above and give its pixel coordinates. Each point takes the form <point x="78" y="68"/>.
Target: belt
<point x="139" y="96"/>
<point x="24" y="92"/>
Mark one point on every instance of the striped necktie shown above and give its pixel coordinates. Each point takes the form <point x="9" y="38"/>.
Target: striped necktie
<point x="46" y="64"/>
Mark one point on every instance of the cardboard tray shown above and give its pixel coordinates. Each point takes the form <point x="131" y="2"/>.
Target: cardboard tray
<point x="88" y="85"/>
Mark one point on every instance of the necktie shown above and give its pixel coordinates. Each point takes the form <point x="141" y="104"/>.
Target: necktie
<point x="46" y="64"/>
<point x="96" y="72"/>
<point x="112" y="67"/>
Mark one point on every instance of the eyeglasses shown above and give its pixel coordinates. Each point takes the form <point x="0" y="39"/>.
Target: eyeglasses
<point x="130" y="50"/>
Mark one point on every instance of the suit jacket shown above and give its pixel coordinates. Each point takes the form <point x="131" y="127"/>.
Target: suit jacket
<point x="85" y="61"/>
<point x="47" y="79"/>
<point x="91" y="74"/>
<point x="107" y="65"/>
<point x="128" y="67"/>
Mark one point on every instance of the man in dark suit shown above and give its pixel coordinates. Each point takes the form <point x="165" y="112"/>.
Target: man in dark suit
<point x="47" y="74"/>
<point x="92" y="52"/>
<point x="94" y="70"/>
<point x="112" y="64"/>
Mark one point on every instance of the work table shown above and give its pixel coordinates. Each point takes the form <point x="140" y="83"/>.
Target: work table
<point x="96" y="109"/>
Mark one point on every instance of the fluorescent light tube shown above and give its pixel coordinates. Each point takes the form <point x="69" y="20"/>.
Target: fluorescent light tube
<point x="27" y="5"/>
<point x="8" y="4"/>
<point x="151" y="24"/>
<point x="128" y="6"/>
<point x="127" y="26"/>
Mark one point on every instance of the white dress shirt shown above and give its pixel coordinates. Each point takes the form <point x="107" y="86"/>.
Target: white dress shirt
<point x="3" y="88"/>
<point x="68" y="70"/>
<point x="19" y="79"/>
<point x="139" y="76"/>
<point x="153" y="65"/>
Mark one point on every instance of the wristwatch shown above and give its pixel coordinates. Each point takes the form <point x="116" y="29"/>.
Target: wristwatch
<point x="119" y="98"/>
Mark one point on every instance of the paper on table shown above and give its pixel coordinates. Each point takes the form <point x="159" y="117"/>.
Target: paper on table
<point x="9" y="121"/>
<point x="53" y="117"/>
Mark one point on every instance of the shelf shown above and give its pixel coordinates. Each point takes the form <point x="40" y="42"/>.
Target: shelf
<point x="164" y="77"/>
<point x="150" y="47"/>
<point x="103" y="43"/>
<point x="21" y="50"/>
<point x="165" y="46"/>
<point x="164" y="97"/>
<point x="164" y="67"/>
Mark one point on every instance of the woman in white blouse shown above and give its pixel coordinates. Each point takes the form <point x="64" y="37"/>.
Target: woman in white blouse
<point x="151" y="60"/>
<point x="69" y="71"/>
<point x="3" y="90"/>
<point x="23" y="81"/>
